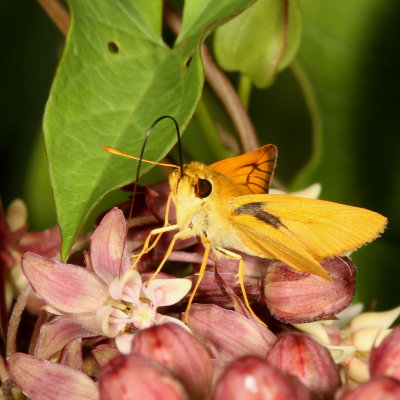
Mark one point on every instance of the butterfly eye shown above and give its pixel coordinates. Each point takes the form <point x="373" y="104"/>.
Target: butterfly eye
<point x="203" y="188"/>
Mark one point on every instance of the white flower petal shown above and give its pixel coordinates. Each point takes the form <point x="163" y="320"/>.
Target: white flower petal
<point x="316" y="330"/>
<point x="312" y="192"/>
<point x="127" y="287"/>
<point x="17" y="215"/>
<point x="103" y="315"/>
<point x="375" y="319"/>
<point x="348" y="314"/>
<point x="132" y="286"/>
<point x="340" y="353"/>
<point x="163" y="319"/>
<point x="367" y="338"/>
<point x="358" y="370"/>
<point x="124" y="343"/>
<point x="164" y="292"/>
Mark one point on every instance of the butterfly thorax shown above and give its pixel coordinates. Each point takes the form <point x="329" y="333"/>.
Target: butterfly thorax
<point x="201" y="197"/>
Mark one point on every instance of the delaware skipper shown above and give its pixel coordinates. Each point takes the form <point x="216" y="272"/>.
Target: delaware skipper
<point x="227" y="205"/>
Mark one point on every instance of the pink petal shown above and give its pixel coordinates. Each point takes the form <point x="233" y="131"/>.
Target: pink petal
<point x="103" y="353"/>
<point x="44" y="380"/>
<point x="228" y="334"/>
<point x="106" y="246"/>
<point x="54" y="335"/>
<point x="71" y="354"/>
<point x="66" y="287"/>
<point x="164" y="292"/>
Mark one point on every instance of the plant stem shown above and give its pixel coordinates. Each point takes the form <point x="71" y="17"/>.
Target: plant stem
<point x="57" y="13"/>
<point x="15" y="319"/>
<point x="223" y="89"/>
<point x="244" y="90"/>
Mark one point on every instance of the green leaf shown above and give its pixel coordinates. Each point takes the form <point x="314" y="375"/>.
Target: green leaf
<point x="115" y="78"/>
<point x="261" y="41"/>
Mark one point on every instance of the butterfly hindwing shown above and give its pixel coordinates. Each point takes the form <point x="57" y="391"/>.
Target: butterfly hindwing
<point x="254" y="169"/>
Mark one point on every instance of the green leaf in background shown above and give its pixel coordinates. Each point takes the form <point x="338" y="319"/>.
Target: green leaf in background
<point x="261" y="41"/>
<point x="348" y="67"/>
<point x="116" y="77"/>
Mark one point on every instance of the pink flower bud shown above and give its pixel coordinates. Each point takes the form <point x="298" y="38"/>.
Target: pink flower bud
<point x="134" y="377"/>
<point x="385" y="359"/>
<point x="228" y="334"/>
<point x="301" y="356"/>
<point x="251" y="378"/>
<point x="178" y="351"/>
<point x="295" y="297"/>
<point x="381" y="388"/>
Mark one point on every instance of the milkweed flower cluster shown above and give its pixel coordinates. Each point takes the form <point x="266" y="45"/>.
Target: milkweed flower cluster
<point x="109" y="332"/>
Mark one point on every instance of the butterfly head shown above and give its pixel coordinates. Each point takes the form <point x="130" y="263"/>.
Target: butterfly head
<point x="194" y="184"/>
<point x="200" y="183"/>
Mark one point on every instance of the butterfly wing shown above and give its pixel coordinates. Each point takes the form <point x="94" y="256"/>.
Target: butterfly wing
<point x="301" y="232"/>
<point x="253" y="169"/>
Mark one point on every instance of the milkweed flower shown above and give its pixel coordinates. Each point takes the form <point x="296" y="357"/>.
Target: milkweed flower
<point x="352" y="339"/>
<point x="16" y="240"/>
<point x="106" y="298"/>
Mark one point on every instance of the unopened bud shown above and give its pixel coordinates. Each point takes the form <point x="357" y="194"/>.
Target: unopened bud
<point x="381" y="388"/>
<point x="177" y="350"/>
<point x="385" y="359"/>
<point x="301" y="356"/>
<point x="251" y="378"/>
<point x="297" y="297"/>
<point x="133" y="376"/>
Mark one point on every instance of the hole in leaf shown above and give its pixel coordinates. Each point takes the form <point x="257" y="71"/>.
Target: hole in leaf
<point x="188" y="61"/>
<point x="113" y="47"/>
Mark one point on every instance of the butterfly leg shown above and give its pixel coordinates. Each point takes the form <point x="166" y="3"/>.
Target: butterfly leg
<point x="164" y="260"/>
<point x="207" y="245"/>
<point x="241" y="279"/>
<point x="146" y="248"/>
<point x="166" y="228"/>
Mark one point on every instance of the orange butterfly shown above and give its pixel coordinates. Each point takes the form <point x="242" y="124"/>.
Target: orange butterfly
<point x="228" y="207"/>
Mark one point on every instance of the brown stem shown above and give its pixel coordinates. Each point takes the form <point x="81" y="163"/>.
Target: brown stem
<point x="15" y="320"/>
<point x="57" y="13"/>
<point x="223" y="89"/>
<point x="3" y="370"/>
<point x="42" y="318"/>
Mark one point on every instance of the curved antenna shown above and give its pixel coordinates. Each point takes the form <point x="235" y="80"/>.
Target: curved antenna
<point x="147" y="137"/>
<point x="140" y="159"/>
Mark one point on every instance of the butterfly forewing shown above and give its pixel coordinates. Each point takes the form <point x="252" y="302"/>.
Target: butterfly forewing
<point x="321" y="228"/>
<point x="266" y="240"/>
<point x="254" y="169"/>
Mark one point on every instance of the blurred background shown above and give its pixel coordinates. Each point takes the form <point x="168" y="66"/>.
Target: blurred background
<point x="347" y="67"/>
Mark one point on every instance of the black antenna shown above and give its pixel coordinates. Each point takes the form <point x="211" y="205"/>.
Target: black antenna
<point x="146" y="137"/>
